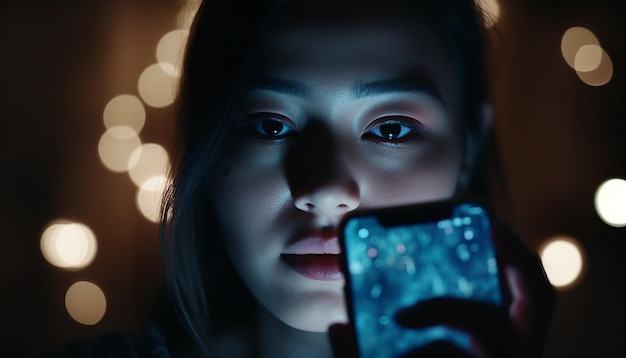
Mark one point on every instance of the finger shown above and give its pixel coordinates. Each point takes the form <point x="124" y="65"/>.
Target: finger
<point x="489" y="326"/>
<point x="533" y="297"/>
<point x="513" y="253"/>
<point x="342" y="341"/>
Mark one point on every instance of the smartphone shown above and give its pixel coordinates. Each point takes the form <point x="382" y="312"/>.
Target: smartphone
<point x="396" y="257"/>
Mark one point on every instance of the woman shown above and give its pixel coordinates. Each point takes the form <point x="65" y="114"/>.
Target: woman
<point x="297" y="112"/>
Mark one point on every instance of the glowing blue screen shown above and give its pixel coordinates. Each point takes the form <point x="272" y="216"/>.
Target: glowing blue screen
<point x="394" y="267"/>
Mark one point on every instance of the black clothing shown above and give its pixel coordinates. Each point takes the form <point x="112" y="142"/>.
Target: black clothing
<point x="151" y="344"/>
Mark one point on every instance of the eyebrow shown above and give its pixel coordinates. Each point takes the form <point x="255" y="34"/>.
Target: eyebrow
<point x="364" y="89"/>
<point x="398" y="84"/>
<point x="281" y="85"/>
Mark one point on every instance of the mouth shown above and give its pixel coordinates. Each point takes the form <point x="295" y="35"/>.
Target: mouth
<point x="320" y="267"/>
<point x="315" y="256"/>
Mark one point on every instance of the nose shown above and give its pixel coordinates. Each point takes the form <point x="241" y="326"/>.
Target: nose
<point x="331" y="200"/>
<point x="319" y="174"/>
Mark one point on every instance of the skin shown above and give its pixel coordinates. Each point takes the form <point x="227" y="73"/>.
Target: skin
<point x="311" y="149"/>
<point x="329" y="157"/>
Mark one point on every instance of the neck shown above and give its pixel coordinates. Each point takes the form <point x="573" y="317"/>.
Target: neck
<point x="278" y="340"/>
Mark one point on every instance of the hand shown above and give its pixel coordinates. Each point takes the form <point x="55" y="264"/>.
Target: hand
<point x="519" y="331"/>
<point x="342" y="341"/>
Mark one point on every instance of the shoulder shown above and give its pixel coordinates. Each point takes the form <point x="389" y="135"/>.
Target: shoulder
<point x="149" y="344"/>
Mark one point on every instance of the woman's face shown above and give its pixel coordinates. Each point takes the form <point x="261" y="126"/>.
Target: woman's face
<point x="340" y="115"/>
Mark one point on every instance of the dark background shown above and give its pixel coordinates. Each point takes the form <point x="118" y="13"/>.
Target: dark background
<point x="62" y="61"/>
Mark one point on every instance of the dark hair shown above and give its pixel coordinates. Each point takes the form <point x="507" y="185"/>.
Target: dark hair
<point x="207" y="293"/>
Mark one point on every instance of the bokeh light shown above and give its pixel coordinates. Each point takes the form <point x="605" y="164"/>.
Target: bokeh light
<point x="68" y="245"/>
<point x="147" y="161"/>
<point x="125" y="110"/>
<point x="563" y="261"/>
<point x="85" y="302"/>
<point x="116" y="146"/>
<point x="170" y="51"/>
<point x="187" y="13"/>
<point x="573" y="39"/>
<point x="610" y="202"/>
<point x="491" y="11"/>
<point x="600" y="75"/>
<point x="588" y="58"/>
<point x="149" y="196"/>
<point x="157" y="87"/>
<point x="582" y="51"/>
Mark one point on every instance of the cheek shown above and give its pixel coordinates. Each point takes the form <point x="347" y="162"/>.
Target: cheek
<point x="251" y="180"/>
<point x="247" y="194"/>
<point x="418" y="176"/>
<point x="421" y="185"/>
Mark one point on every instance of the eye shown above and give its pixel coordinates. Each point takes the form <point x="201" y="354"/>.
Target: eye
<point x="394" y="129"/>
<point x="269" y="126"/>
<point x="390" y="131"/>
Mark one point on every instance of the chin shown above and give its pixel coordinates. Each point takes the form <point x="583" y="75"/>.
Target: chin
<point x="317" y="313"/>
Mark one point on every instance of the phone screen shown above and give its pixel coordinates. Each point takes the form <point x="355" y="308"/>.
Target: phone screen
<point x="396" y="258"/>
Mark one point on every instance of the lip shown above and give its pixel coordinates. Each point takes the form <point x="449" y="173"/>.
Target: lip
<point x="315" y="255"/>
<point x="314" y="244"/>
<point x="320" y="267"/>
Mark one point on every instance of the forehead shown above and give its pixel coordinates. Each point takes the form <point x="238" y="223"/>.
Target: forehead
<point x="329" y="45"/>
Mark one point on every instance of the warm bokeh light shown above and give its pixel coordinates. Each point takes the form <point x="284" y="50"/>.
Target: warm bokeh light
<point x="187" y="13"/>
<point x="588" y="58"/>
<point x="563" y="261"/>
<point x="600" y="75"/>
<point x="85" y="302"/>
<point x="147" y="161"/>
<point x="149" y="196"/>
<point x="573" y="39"/>
<point x="68" y="245"/>
<point x="491" y="10"/>
<point x="157" y="87"/>
<point x="116" y="146"/>
<point x="582" y="51"/>
<point x="170" y="51"/>
<point x="125" y="110"/>
<point x="610" y="202"/>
